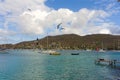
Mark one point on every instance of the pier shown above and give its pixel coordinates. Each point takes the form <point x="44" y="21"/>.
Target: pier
<point x="110" y="62"/>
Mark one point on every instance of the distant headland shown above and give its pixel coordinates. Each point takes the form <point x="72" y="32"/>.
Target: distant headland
<point x="70" y="41"/>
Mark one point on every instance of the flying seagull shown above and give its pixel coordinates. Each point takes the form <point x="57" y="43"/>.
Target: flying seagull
<point x="58" y="26"/>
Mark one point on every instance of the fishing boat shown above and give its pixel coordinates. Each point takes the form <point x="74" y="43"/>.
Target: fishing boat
<point x="54" y="53"/>
<point x="74" y="53"/>
<point x="101" y="50"/>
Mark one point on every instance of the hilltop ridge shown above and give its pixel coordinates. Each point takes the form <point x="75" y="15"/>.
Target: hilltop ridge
<point x="71" y="41"/>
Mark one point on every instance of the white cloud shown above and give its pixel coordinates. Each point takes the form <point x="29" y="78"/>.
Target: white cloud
<point x="33" y="22"/>
<point x="18" y="6"/>
<point x="34" y="18"/>
<point x="115" y="29"/>
<point x="16" y="11"/>
<point x="105" y="31"/>
<point x="81" y="22"/>
<point x="5" y="34"/>
<point x="111" y="6"/>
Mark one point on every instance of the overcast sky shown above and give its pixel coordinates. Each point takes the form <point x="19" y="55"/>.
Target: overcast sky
<point x="22" y="20"/>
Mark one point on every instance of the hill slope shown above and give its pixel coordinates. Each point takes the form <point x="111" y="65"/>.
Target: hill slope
<point x="73" y="41"/>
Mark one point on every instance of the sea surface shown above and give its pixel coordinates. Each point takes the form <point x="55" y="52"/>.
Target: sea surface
<point x="33" y="65"/>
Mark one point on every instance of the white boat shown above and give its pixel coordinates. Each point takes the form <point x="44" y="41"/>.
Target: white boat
<point x="47" y="51"/>
<point x="51" y="52"/>
<point x="88" y="50"/>
<point x="101" y="50"/>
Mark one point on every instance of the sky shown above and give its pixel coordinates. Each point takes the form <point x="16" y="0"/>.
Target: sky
<point x="31" y="19"/>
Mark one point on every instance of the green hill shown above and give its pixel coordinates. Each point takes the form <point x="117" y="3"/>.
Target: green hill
<point x="72" y="41"/>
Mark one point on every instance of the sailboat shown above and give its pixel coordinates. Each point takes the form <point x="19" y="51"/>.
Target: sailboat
<point x="102" y="50"/>
<point x="88" y="50"/>
<point x="51" y="52"/>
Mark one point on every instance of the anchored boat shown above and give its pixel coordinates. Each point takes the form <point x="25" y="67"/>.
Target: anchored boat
<point x="74" y="53"/>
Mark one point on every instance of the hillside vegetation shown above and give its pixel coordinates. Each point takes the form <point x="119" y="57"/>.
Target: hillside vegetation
<point x="71" y="41"/>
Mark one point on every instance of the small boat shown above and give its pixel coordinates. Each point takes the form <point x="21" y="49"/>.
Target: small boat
<point x="88" y="50"/>
<point x="101" y="50"/>
<point x="51" y="52"/>
<point x="55" y="53"/>
<point x="74" y="53"/>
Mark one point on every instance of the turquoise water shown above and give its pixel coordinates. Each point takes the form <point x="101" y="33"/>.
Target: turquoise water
<point x="31" y="65"/>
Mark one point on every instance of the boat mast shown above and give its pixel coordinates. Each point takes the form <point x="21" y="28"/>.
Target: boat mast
<point x="47" y="40"/>
<point x="102" y="45"/>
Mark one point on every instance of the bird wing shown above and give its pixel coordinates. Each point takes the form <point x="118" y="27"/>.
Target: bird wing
<point x="58" y="26"/>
